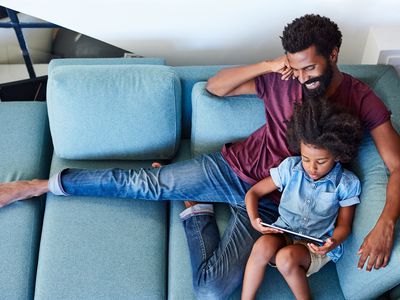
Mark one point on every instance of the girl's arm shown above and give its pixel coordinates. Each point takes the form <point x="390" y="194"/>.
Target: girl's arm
<point x="340" y="233"/>
<point x="260" y="189"/>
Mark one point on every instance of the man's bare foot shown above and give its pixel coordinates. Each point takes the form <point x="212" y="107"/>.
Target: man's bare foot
<point x="190" y="203"/>
<point x="156" y="164"/>
<point x="21" y="190"/>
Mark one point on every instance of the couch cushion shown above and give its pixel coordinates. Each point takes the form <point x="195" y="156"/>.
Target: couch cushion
<point x="114" y="111"/>
<point x="107" y="61"/>
<point x="25" y="149"/>
<point x="384" y="80"/>
<point x="102" y="248"/>
<point x="189" y="76"/>
<point x="219" y="120"/>
<point x="373" y="174"/>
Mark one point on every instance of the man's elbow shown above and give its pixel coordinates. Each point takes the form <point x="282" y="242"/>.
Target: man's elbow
<point x="213" y="88"/>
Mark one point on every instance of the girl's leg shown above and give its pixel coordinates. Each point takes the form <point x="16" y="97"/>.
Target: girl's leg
<point x="263" y="251"/>
<point x="293" y="262"/>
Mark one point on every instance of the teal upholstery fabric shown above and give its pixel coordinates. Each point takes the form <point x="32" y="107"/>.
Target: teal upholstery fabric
<point x="216" y="120"/>
<point x="394" y="294"/>
<point x="189" y="76"/>
<point x="373" y="174"/>
<point x="385" y="82"/>
<point x="108" y="61"/>
<point x="25" y="149"/>
<point x="358" y="284"/>
<point x="114" y="112"/>
<point x="102" y="248"/>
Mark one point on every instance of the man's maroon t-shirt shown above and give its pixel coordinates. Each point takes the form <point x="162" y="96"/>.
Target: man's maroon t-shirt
<point x="252" y="158"/>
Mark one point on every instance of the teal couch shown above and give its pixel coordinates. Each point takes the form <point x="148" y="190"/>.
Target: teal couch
<point x="128" y="113"/>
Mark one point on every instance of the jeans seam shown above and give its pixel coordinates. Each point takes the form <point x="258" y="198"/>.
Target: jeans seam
<point x="202" y="247"/>
<point x="223" y="251"/>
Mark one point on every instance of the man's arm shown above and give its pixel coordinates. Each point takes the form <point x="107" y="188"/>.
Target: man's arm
<point x="377" y="245"/>
<point x="240" y="80"/>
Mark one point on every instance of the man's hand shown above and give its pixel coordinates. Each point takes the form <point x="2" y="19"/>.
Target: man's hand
<point x="281" y="65"/>
<point x="377" y="247"/>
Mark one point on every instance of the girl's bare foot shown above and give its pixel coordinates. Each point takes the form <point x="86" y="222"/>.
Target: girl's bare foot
<point x="21" y="190"/>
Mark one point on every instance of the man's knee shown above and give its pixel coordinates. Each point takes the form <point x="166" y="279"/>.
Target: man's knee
<point x="214" y="285"/>
<point x="209" y="291"/>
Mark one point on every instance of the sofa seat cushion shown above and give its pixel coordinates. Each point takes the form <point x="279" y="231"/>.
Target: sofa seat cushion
<point x="114" y="111"/>
<point x="25" y="149"/>
<point x="102" y="248"/>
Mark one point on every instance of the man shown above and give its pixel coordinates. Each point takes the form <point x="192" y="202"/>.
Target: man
<point x="312" y="44"/>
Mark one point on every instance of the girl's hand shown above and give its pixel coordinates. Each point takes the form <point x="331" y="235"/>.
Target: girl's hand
<point x="256" y="223"/>
<point x="329" y="245"/>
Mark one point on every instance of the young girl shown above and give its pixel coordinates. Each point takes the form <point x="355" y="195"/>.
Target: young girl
<point x="318" y="198"/>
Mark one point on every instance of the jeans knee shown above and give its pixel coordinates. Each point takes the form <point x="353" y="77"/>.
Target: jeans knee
<point x="209" y="291"/>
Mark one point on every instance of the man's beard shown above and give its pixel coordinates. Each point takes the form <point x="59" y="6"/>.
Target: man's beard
<point x="324" y="81"/>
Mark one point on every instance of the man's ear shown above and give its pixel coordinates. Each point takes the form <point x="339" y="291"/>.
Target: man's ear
<point x="333" y="57"/>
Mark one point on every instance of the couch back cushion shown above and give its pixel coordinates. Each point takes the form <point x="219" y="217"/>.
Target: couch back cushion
<point x="114" y="111"/>
<point x="374" y="177"/>
<point x="219" y="120"/>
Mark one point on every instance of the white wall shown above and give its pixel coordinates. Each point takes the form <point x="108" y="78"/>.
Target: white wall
<point x="188" y="32"/>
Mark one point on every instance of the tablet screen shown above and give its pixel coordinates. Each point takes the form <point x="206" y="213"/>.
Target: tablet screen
<point x="311" y="238"/>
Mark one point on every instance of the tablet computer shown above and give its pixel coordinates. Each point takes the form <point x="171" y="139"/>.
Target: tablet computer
<point x="304" y="236"/>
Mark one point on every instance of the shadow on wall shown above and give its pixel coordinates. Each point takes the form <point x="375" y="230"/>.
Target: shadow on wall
<point x="71" y="44"/>
<point x="43" y="45"/>
<point x="47" y="43"/>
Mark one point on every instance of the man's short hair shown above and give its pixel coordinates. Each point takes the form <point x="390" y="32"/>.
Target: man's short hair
<point x="310" y="30"/>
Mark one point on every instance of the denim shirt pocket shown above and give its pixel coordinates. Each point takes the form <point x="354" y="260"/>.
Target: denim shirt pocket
<point x="326" y="204"/>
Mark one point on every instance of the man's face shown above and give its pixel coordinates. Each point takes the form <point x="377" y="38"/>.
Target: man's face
<point x="312" y="70"/>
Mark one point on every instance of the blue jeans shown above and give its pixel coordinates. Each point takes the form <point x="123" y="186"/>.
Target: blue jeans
<point x="217" y="263"/>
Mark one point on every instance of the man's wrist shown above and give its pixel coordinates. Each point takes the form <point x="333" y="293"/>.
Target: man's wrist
<point x="267" y="66"/>
<point x="387" y="221"/>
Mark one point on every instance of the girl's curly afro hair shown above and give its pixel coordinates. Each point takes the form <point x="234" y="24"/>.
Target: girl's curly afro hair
<point x="326" y="125"/>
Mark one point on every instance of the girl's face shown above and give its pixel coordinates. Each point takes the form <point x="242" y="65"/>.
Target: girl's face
<point x="317" y="162"/>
